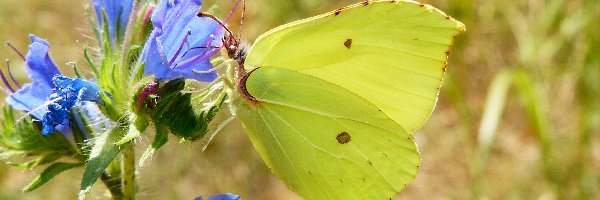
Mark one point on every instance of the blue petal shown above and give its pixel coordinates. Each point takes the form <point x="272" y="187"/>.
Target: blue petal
<point x="68" y="92"/>
<point x="98" y="122"/>
<point x="117" y="14"/>
<point x="41" y="69"/>
<point x="180" y="44"/>
<point x="58" y="114"/>
<point x="227" y="196"/>
<point x="81" y="89"/>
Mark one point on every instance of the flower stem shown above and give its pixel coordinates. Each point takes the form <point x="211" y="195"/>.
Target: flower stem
<point x="128" y="172"/>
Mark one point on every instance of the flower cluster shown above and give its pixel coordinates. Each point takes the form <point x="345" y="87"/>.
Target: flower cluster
<point x="50" y="96"/>
<point x="149" y="53"/>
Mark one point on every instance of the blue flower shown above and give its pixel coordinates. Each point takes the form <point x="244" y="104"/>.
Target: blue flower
<point x="41" y="69"/>
<point x="68" y="92"/>
<point x="181" y="43"/>
<point x="117" y="13"/>
<point x="50" y="96"/>
<point x="227" y="196"/>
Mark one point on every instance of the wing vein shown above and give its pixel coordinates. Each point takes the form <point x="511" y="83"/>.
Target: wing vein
<point x="280" y="146"/>
<point x="365" y="157"/>
<point x="315" y="147"/>
<point x="286" y="123"/>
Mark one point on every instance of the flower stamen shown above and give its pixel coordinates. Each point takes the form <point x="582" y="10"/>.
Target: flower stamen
<point x="10" y="74"/>
<point x="210" y="70"/>
<point x="6" y="82"/>
<point x="201" y="56"/>
<point x="8" y="44"/>
<point x="179" y="50"/>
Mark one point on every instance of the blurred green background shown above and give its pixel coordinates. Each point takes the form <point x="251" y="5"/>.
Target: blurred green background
<point x="518" y="116"/>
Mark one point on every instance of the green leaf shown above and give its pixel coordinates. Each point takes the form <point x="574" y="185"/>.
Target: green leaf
<point x="139" y="72"/>
<point x="38" y="161"/>
<point x="6" y="153"/>
<point x="142" y="28"/>
<point x="49" y="173"/>
<point x="102" y="154"/>
<point x="134" y="129"/>
<point x="110" y="109"/>
<point x="82" y="129"/>
<point x="88" y="58"/>
<point x="133" y="55"/>
<point x="77" y="71"/>
<point x="160" y="139"/>
<point x="106" y="44"/>
<point x="171" y="87"/>
<point x="176" y="111"/>
<point x="25" y="136"/>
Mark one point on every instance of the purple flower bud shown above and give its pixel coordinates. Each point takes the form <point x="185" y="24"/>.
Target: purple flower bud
<point x="148" y="14"/>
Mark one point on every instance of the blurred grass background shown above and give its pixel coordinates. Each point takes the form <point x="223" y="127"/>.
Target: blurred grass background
<point x="518" y="116"/>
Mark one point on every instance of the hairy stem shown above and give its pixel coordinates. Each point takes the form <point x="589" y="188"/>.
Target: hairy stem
<point x="128" y="172"/>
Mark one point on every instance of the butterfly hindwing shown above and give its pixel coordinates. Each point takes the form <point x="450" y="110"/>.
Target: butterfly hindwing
<point x="324" y="141"/>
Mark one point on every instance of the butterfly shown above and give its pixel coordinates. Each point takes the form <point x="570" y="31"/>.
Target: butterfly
<point x="331" y="102"/>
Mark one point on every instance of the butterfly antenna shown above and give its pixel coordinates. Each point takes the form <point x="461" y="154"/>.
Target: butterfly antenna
<point x="243" y="17"/>
<point x="232" y="11"/>
<point x="205" y="14"/>
<point x="230" y="42"/>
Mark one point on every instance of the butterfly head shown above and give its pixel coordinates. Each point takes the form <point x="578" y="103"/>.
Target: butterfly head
<point x="232" y="45"/>
<point x="238" y="52"/>
<point x="230" y="42"/>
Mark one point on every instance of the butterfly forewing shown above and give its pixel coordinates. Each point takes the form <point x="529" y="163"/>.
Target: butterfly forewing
<point x="392" y="53"/>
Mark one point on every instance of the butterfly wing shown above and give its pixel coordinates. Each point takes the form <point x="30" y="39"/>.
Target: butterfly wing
<point x="339" y="95"/>
<point x="392" y="53"/>
<point x="324" y="141"/>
